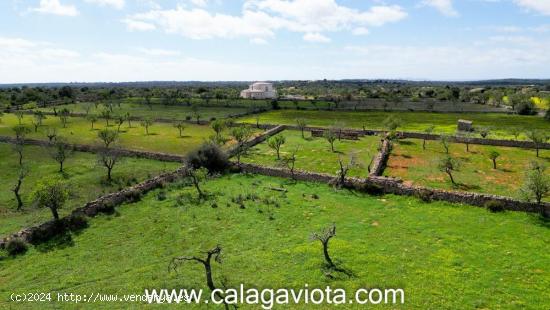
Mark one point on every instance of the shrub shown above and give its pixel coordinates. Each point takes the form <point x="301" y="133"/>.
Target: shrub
<point x="161" y="196"/>
<point x="526" y="107"/>
<point x="210" y="156"/>
<point x="77" y="222"/>
<point x="188" y="118"/>
<point x="424" y="195"/>
<point x="16" y="246"/>
<point x="494" y="206"/>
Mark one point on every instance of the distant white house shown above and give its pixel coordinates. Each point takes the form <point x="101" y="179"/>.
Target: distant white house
<point x="259" y="90"/>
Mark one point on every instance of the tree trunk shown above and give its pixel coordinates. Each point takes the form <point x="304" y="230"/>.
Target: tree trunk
<point x="537" y="151"/>
<point x="278" y="154"/>
<point x="54" y="213"/>
<point x="109" y="173"/>
<point x="494" y="163"/>
<point x="61" y="166"/>
<point x="17" y="196"/>
<point x="451" y="177"/>
<point x="424" y="144"/>
<point x="327" y="256"/>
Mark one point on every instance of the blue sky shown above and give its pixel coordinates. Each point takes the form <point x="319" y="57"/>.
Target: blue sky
<point x="137" y="40"/>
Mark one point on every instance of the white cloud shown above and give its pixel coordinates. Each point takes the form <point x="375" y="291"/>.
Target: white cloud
<point x="136" y="25"/>
<point x="158" y="52"/>
<point x="201" y="3"/>
<point x="258" y="41"/>
<point x="56" y="8"/>
<point x="316" y="38"/>
<point x="260" y="19"/>
<point x="497" y="57"/>
<point x="360" y="31"/>
<point x="443" y="6"/>
<point x="539" y="6"/>
<point x="117" y="4"/>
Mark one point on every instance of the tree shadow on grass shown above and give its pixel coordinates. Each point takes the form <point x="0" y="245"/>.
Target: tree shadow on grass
<point x="406" y="142"/>
<point x="61" y="241"/>
<point x="539" y="220"/>
<point x="184" y="137"/>
<point x="466" y="187"/>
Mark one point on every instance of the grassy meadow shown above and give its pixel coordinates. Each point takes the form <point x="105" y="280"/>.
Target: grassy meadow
<point x="179" y="112"/>
<point x="314" y="154"/>
<point x="483" y="260"/>
<point x="162" y="137"/>
<point x="82" y="173"/>
<point x="411" y="163"/>
<point x="499" y="124"/>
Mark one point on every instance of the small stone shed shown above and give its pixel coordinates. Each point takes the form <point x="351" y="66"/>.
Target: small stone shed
<point x="465" y="125"/>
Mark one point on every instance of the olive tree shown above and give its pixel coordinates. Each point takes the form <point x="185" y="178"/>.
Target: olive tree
<point x="64" y="116"/>
<point x="324" y="237"/>
<point x="198" y="176"/>
<point x="538" y="138"/>
<point x="51" y="133"/>
<point x="344" y="166"/>
<point x="445" y="142"/>
<point x="23" y="172"/>
<point x="301" y="123"/>
<point x="180" y="125"/>
<point x="241" y="134"/>
<point x="92" y="118"/>
<point x="60" y="151"/>
<point x="290" y="161"/>
<point x="275" y="143"/>
<point x="218" y="126"/>
<point x="330" y="136"/>
<point x="119" y="121"/>
<point x="207" y="263"/>
<point x="146" y="123"/>
<point x="107" y="136"/>
<point x="106" y="114"/>
<point x="20" y="116"/>
<point x="536" y="185"/>
<point x="20" y="134"/>
<point x="108" y="158"/>
<point x="493" y="155"/>
<point x="448" y="165"/>
<point x="51" y="194"/>
<point x="38" y="120"/>
<point x="196" y="113"/>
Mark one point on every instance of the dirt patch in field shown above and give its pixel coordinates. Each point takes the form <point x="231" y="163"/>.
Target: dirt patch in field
<point x="399" y="164"/>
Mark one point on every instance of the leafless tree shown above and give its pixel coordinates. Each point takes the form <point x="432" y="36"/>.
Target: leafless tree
<point x="206" y="262"/>
<point x="108" y="158"/>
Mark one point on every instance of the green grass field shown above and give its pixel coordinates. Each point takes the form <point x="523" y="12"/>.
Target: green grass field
<point x="500" y="124"/>
<point x="314" y="154"/>
<point x="84" y="176"/>
<point x="483" y="260"/>
<point x="158" y="111"/>
<point x="163" y="137"/>
<point x="409" y="162"/>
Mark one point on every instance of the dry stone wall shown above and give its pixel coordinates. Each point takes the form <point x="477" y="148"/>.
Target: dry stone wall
<point x="419" y="135"/>
<point x="397" y="187"/>
<point x="103" y="204"/>
<point x="97" y="149"/>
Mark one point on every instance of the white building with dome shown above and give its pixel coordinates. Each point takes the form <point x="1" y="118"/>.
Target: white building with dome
<point x="259" y="90"/>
